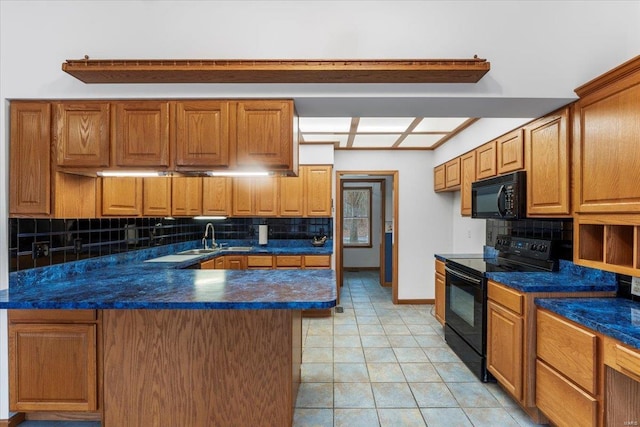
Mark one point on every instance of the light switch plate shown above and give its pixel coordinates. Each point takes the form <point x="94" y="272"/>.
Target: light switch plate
<point x="635" y="286"/>
<point x="635" y="317"/>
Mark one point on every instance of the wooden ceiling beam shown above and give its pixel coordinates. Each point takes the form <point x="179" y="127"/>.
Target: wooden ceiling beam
<point x="276" y="71"/>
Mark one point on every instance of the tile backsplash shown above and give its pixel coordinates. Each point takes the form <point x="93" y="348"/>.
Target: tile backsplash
<point x="77" y="239"/>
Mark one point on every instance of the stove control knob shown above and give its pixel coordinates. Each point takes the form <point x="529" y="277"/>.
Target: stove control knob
<point x="542" y="248"/>
<point x="533" y="246"/>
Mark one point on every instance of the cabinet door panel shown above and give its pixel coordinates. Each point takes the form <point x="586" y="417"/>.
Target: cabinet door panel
<point x="292" y="195"/>
<point x="242" y="196"/>
<point x="186" y="196"/>
<point x="264" y="134"/>
<point x="122" y="196"/>
<point x="53" y="367"/>
<point x="142" y="134"/>
<point x="608" y="159"/>
<point x="202" y="136"/>
<point x="504" y="348"/>
<point x="266" y="196"/>
<point x="156" y="196"/>
<point x="440" y="296"/>
<point x="510" y="151"/>
<point x="468" y="175"/>
<point x="82" y="134"/>
<point x="216" y="196"/>
<point x="439" y="182"/>
<point x="30" y="154"/>
<point x="486" y="161"/>
<point x="452" y="173"/>
<point x="317" y="186"/>
<point x="547" y="155"/>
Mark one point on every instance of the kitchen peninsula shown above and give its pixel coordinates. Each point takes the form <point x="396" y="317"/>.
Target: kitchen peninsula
<point x="176" y="345"/>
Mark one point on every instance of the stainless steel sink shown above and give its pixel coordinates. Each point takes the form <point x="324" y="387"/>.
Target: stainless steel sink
<point x="237" y="248"/>
<point x="197" y="251"/>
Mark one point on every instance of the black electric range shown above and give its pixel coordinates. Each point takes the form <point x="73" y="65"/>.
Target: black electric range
<point x="466" y="294"/>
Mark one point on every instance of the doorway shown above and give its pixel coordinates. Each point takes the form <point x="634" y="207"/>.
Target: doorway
<point x="382" y="238"/>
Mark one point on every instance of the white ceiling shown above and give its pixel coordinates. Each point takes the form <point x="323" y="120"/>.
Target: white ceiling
<point x="381" y="132"/>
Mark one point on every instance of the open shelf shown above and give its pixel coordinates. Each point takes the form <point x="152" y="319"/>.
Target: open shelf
<point x="619" y="245"/>
<point x="591" y="242"/>
<point x="608" y="242"/>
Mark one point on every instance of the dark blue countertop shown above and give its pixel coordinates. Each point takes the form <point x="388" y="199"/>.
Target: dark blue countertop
<point x="616" y="317"/>
<point x="125" y="281"/>
<point x="569" y="278"/>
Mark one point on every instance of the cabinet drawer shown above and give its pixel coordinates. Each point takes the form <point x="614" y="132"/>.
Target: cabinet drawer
<point x="208" y="264"/>
<point x="563" y="402"/>
<point x="569" y="349"/>
<point x="289" y="261"/>
<point x="317" y="261"/>
<point x="58" y="316"/>
<point x="628" y="361"/>
<point x="507" y="297"/>
<point x="440" y="267"/>
<point x="262" y="261"/>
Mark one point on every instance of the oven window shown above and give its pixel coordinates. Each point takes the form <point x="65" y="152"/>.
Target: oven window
<point x="462" y="303"/>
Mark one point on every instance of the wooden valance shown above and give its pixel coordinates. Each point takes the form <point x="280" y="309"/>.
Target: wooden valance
<point x="276" y="71"/>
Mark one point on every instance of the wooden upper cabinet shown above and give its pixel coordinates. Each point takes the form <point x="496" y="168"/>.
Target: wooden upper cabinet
<point x="439" y="182"/>
<point x="29" y="159"/>
<point x="141" y="134"/>
<point x="547" y="154"/>
<point x="467" y="176"/>
<point x="486" y="161"/>
<point x="510" y="152"/>
<point x="186" y="196"/>
<point x="317" y="190"/>
<point x="156" y="196"/>
<point x="202" y="134"/>
<point x="216" y="196"/>
<point x="292" y="192"/>
<point x="452" y="174"/>
<point x="82" y="134"/>
<point x="71" y="188"/>
<point x="264" y="135"/>
<point x="122" y="196"/>
<point x="606" y="133"/>
<point x="242" y="196"/>
<point x="266" y="196"/>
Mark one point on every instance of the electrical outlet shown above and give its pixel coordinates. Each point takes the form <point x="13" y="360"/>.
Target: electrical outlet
<point x="39" y="249"/>
<point x="77" y="246"/>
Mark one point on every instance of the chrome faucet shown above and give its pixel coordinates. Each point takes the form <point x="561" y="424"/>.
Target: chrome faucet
<point x="213" y="237"/>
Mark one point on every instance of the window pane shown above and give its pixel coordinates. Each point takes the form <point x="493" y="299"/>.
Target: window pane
<point x="356" y="217"/>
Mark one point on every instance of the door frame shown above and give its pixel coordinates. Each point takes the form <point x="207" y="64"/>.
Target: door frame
<point x="375" y="176"/>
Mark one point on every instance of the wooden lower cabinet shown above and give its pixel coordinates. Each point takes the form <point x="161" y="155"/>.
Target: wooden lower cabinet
<point x="53" y="361"/>
<point x="201" y="367"/>
<point x="440" y="291"/>
<point x="569" y="372"/>
<point x="235" y="262"/>
<point x="260" y="262"/>
<point x="513" y="339"/>
<point x="504" y="355"/>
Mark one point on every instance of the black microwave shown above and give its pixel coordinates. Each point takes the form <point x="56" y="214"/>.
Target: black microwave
<point x="502" y="197"/>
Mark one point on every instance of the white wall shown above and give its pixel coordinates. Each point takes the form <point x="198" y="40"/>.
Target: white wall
<point x="424" y="216"/>
<point x="468" y="234"/>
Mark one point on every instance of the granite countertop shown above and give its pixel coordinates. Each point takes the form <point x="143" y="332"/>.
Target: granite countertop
<point x="618" y="318"/>
<point x="569" y="278"/>
<point x="125" y="281"/>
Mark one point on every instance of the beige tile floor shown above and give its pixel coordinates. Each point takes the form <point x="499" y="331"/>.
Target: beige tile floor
<point x="379" y="364"/>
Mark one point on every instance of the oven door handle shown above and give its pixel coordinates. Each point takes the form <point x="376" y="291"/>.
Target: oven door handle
<point x="463" y="276"/>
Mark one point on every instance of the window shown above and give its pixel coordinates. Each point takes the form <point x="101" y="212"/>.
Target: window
<point x="356" y="217"/>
